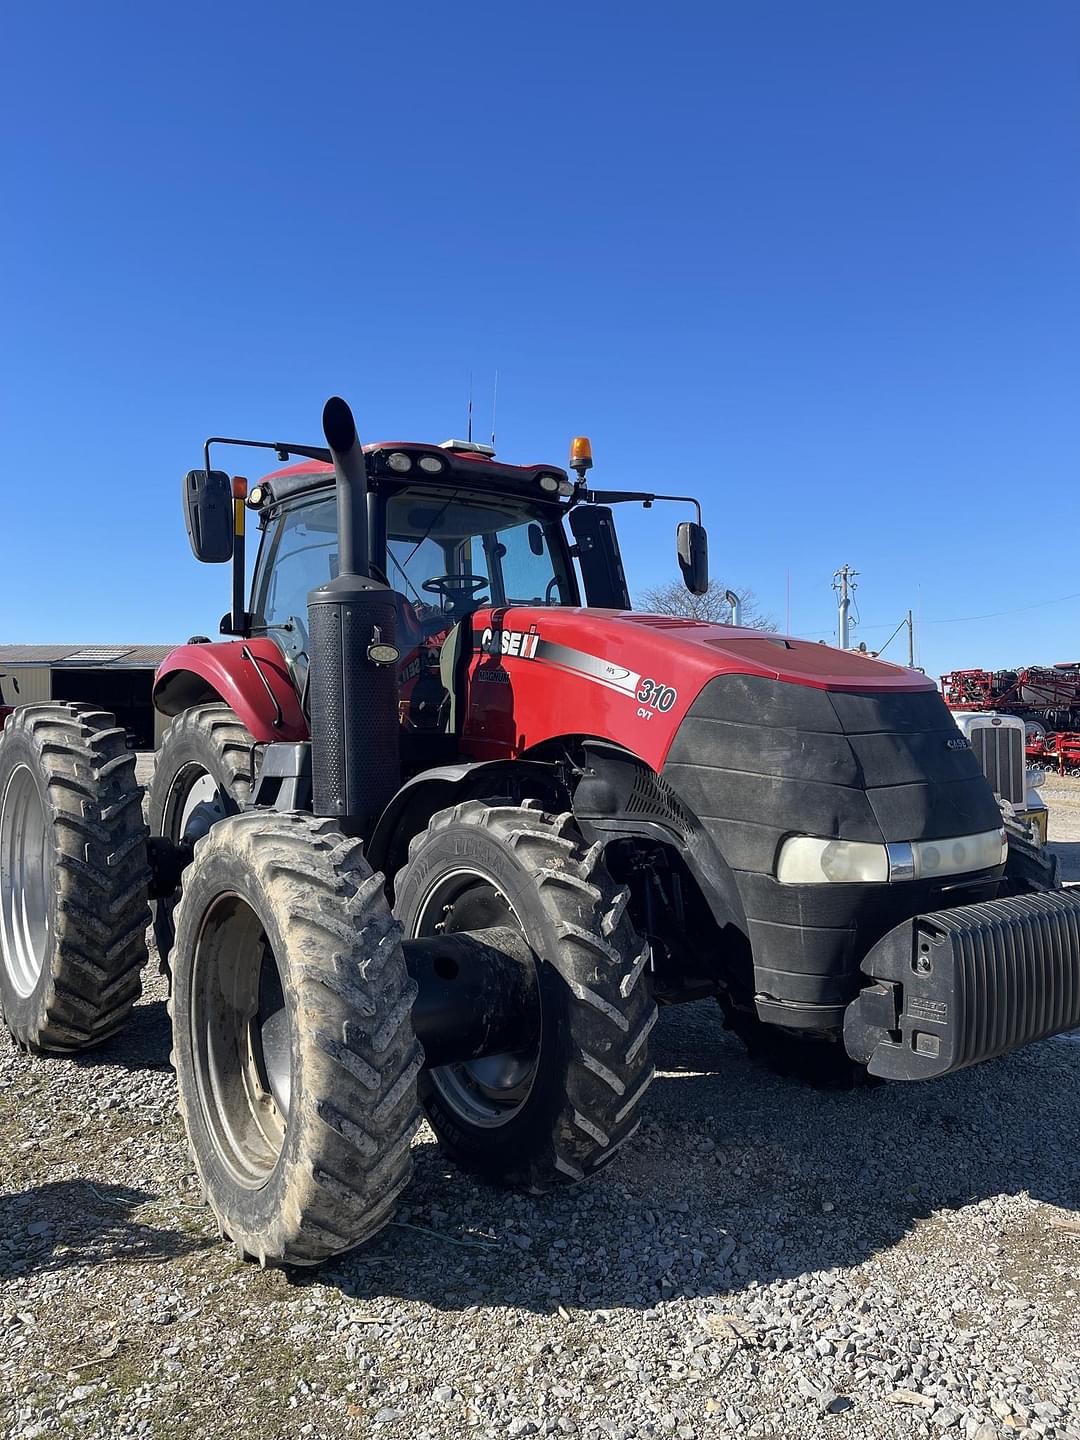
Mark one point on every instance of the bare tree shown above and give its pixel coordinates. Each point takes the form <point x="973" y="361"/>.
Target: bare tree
<point x="675" y="599"/>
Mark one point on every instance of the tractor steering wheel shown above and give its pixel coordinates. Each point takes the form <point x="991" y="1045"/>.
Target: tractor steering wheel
<point x="444" y="586"/>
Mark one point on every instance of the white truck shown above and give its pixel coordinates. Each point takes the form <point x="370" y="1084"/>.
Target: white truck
<point x="999" y="743"/>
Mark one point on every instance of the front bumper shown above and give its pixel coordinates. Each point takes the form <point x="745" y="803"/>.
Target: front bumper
<point x="1037" y="819"/>
<point x="958" y="986"/>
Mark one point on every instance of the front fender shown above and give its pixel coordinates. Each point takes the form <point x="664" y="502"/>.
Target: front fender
<point x="250" y="676"/>
<point x="436" y="789"/>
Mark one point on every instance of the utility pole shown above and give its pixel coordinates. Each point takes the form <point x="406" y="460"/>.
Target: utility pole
<point x="843" y="581"/>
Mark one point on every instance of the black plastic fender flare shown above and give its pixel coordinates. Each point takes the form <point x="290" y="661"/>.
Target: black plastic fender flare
<point x="425" y="794"/>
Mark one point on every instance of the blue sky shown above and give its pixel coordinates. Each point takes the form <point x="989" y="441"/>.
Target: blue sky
<point x="816" y="261"/>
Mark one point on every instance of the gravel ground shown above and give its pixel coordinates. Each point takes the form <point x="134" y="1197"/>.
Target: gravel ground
<point x="1062" y="797"/>
<point x="765" y="1260"/>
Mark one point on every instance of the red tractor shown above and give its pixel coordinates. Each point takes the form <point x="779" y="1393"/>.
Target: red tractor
<point x="429" y="831"/>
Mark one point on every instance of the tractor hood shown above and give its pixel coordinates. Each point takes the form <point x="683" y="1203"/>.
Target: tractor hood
<point x="632" y="678"/>
<point x="728" y="650"/>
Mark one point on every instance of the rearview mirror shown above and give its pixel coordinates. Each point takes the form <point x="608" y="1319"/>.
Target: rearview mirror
<point x="208" y="514"/>
<point x="692" y="544"/>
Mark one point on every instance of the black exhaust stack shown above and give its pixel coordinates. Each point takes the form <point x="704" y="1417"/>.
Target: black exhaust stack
<point x="352" y="622"/>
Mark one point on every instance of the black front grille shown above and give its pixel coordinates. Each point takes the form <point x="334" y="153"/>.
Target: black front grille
<point x="999" y="750"/>
<point x="756" y="760"/>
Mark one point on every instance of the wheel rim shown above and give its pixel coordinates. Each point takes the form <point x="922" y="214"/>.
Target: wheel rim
<point x="241" y="1027"/>
<point x="490" y="1091"/>
<point x="25" y="881"/>
<point x="194" y="804"/>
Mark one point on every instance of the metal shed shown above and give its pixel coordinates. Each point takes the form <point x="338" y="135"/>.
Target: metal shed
<point x="119" y="678"/>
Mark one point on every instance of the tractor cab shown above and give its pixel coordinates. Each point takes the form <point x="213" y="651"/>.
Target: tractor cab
<point x="446" y="548"/>
<point x="453" y="533"/>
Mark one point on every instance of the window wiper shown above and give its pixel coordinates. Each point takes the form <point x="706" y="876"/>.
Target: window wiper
<point x="404" y="576"/>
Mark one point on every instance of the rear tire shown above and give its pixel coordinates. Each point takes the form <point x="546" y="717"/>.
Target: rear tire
<point x="202" y="773"/>
<point x="294" y="1051"/>
<point x="561" y="1111"/>
<point x="73" y="877"/>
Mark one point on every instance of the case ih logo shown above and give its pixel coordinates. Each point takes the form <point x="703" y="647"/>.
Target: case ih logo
<point x="958" y="742"/>
<point x="522" y="643"/>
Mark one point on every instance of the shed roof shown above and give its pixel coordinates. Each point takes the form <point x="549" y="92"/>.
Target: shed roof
<point x="80" y="657"/>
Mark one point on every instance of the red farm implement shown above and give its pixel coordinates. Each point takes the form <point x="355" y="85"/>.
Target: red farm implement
<point x="1060" y="752"/>
<point x="1046" y="698"/>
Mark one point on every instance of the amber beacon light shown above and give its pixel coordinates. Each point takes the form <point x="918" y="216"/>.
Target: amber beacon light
<point x="580" y="455"/>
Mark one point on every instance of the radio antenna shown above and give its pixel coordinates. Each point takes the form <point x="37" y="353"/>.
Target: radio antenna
<point x="470" y="407"/>
<point x="494" y="401"/>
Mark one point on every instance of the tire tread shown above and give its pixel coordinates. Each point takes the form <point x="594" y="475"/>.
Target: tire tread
<point x="100" y="874"/>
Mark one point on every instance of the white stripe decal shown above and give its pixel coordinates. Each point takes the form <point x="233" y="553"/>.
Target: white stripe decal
<point x="592" y="667"/>
<point x="580" y="675"/>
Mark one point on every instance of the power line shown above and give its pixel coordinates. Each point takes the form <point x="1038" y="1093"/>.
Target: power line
<point x="1015" y="610"/>
<point x="959" y="619"/>
<point x="893" y="636"/>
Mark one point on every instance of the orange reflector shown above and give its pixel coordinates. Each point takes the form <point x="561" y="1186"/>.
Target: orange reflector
<point x="239" y="488"/>
<point x="580" y="453"/>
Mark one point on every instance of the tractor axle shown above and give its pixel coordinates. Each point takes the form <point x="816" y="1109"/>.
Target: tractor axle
<point x="477" y="994"/>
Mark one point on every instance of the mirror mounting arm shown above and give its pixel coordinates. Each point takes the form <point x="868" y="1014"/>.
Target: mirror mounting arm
<point x="642" y="497"/>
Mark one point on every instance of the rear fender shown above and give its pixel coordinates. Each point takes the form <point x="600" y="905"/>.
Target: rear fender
<point x="250" y="676"/>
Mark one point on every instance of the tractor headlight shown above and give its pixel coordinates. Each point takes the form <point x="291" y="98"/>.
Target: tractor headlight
<point x="400" y="462"/>
<point x="807" y="860"/>
<point x="956" y="857"/>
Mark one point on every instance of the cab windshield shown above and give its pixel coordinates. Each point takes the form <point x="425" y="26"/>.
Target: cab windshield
<point x="447" y="552"/>
<point x="455" y="550"/>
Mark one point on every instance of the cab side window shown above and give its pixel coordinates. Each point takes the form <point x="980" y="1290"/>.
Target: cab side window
<point x="298" y="553"/>
<point x="528" y="571"/>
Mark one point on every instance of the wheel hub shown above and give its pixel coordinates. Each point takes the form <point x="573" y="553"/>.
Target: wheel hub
<point x="491" y="1090"/>
<point x="196" y="808"/>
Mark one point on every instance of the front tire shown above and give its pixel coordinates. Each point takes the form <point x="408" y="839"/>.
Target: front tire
<point x="73" y="877"/>
<point x="818" y="1061"/>
<point x="559" y="1111"/>
<point x="294" y="1051"/>
<point x="1030" y="869"/>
